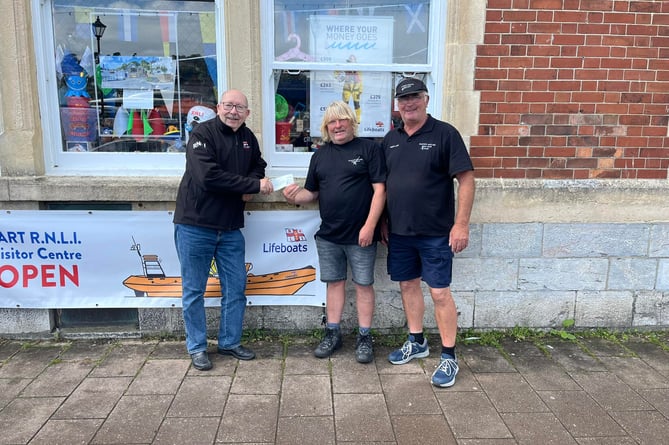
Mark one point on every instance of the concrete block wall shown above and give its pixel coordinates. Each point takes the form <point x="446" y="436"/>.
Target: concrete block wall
<point x="540" y="274"/>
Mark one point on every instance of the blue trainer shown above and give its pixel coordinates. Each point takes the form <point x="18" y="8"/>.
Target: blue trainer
<point x="444" y="375"/>
<point x="409" y="350"/>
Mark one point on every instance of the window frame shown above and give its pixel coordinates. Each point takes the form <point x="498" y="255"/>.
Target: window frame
<point x="61" y="163"/>
<point x="296" y="163"/>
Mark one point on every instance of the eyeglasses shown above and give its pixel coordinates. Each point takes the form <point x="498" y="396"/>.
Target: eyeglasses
<point x="411" y="97"/>
<point x="227" y="106"/>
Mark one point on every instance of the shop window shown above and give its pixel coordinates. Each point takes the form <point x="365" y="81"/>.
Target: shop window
<point x="122" y="82"/>
<point x="355" y="51"/>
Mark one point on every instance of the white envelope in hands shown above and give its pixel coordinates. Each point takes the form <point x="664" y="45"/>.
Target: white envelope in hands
<point x="281" y="181"/>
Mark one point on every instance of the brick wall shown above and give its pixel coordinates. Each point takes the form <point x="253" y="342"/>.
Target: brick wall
<point x="573" y="89"/>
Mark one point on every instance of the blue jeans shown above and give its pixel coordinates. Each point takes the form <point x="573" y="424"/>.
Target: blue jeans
<point x="196" y="246"/>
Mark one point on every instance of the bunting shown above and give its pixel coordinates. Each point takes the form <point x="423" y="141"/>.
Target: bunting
<point x="127" y="26"/>
<point x="208" y="31"/>
<point x="168" y="28"/>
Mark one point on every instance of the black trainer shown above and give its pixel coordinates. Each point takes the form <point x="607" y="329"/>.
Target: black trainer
<point x="330" y="343"/>
<point x="364" y="350"/>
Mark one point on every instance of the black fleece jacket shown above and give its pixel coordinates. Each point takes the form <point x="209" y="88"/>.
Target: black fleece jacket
<point x="221" y="166"/>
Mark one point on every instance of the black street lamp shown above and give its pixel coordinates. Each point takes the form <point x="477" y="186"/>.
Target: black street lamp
<point x="98" y="31"/>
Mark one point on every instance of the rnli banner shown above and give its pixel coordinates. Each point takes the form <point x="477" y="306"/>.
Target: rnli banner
<point x="90" y="259"/>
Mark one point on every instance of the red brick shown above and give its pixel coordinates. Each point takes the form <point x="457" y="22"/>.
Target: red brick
<point x="616" y="17"/>
<point x="581" y="163"/>
<point x="624" y="141"/>
<point x="605" y="174"/>
<point x="652" y="174"/>
<point x="567" y="62"/>
<point x="540" y="141"/>
<point x="648" y="6"/>
<point x="597" y="5"/>
<point x="568" y="51"/>
<point x="511" y="152"/>
<point x="635" y="120"/>
<point x="642" y="30"/>
<point x="640" y="76"/>
<point x="485" y="85"/>
<point x="492" y="50"/>
<point x="481" y="152"/>
<point x="497" y="27"/>
<point x="615" y="63"/>
<point x="517" y="39"/>
<point x="566" y="85"/>
<point x="599" y="152"/>
<point x="516" y="62"/>
<point x="481" y="173"/>
<point x="543" y="51"/>
<point x="485" y="141"/>
<point x="562" y="16"/>
<point x="562" y="108"/>
<point x="569" y="39"/>
<point x="519" y="16"/>
<point x="518" y="50"/>
<point x="583" y="141"/>
<point x="561" y="130"/>
<point x="558" y="174"/>
<point x="484" y="73"/>
<point x="544" y="28"/>
<point x="509" y="163"/>
<point x="599" y="29"/>
<point x="654" y="153"/>
<point x="486" y="162"/>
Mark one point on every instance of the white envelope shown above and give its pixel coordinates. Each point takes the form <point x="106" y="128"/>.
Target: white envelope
<point x="281" y="181"/>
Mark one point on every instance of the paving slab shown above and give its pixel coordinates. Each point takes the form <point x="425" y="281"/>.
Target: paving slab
<point x="362" y="418"/>
<point x="580" y="414"/>
<point x="596" y="391"/>
<point x="537" y="428"/>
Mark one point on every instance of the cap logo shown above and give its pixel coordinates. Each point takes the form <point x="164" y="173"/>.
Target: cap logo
<point x="408" y="85"/>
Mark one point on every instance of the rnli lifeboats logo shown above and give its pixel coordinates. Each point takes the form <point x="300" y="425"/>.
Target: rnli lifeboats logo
<point x="295" y="235"/>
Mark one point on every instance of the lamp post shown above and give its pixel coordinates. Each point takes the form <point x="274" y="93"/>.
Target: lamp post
<point x="98" y="31"/>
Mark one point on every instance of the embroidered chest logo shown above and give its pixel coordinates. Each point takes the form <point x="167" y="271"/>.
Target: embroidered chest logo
<point x="245" y="145"/>
<point x="356" y="161"/>
<point x="426" y="146"/>
<point x="198" y="144"/>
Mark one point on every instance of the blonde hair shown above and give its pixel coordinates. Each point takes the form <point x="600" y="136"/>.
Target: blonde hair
<point x="337" y="110"/>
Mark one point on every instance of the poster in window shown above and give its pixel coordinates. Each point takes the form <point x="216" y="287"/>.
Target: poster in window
<point x="355" y="40"/>
<point x="344" y="38"/>
<point x="368" y="93"/>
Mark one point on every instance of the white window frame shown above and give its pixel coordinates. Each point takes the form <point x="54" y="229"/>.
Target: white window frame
<point x="297" y="163"/>
<point x="61" y="163"/>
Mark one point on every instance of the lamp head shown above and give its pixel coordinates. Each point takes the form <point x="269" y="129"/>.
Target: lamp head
<point x="98" y="28"/>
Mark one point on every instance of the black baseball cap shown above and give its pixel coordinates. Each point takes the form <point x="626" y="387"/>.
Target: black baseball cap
<point x="409" y="86"/>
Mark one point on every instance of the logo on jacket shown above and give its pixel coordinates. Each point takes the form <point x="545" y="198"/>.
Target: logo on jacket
<point x="246" y="145"/>
<point x="198" y="144"/>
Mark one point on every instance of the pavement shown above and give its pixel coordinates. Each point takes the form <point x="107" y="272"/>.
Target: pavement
<point x="593" y="391"/>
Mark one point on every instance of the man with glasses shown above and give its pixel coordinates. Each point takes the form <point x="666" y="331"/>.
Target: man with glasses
<point x="223" y="168"/>
<point x="424" y="231"/>
<point x="346" y="175"/>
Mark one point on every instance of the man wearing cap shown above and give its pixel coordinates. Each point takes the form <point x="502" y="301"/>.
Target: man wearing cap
<point x="424" y="230"/>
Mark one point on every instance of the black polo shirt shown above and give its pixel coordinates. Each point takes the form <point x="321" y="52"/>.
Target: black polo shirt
<point x="420" y="172"/>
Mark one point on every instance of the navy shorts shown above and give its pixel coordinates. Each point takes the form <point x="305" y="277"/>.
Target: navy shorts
<point x="334" y="258"/>
<point x="429" y="257"/>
